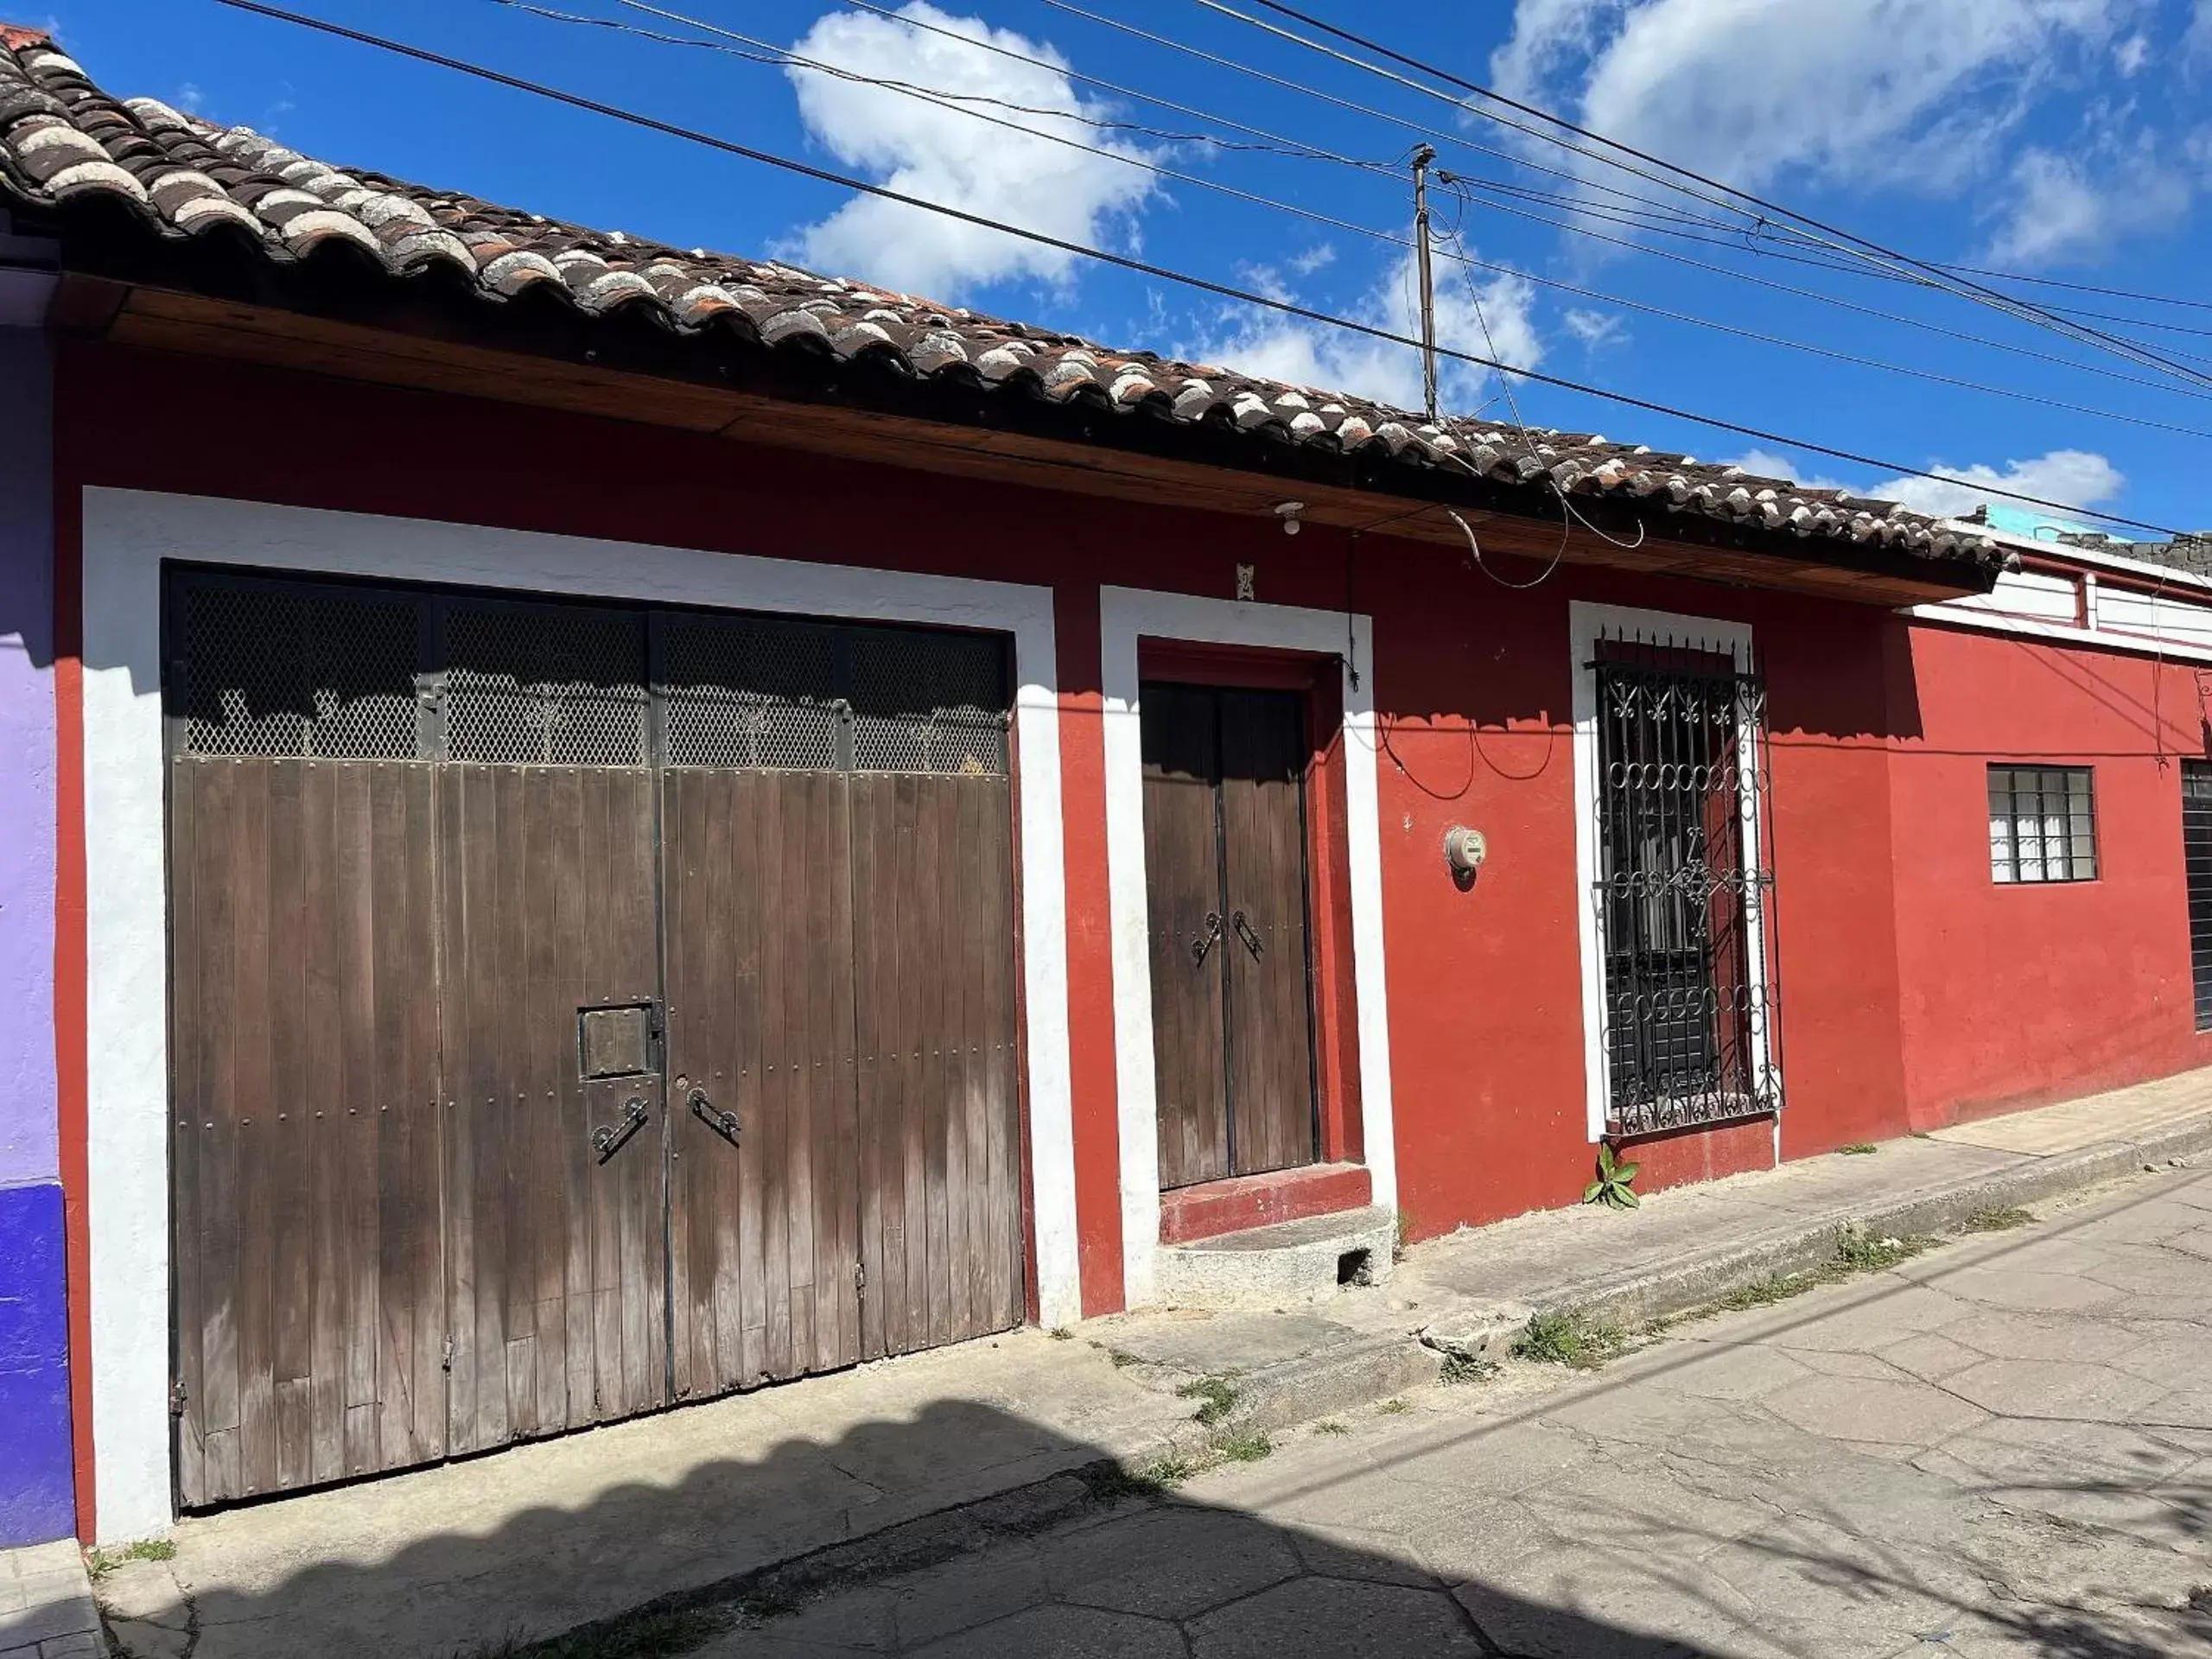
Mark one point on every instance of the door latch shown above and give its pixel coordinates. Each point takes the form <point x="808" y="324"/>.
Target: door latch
<point x="721" y="1122"/>
<point x="1247" y="933"/>
<point x="1205" y="940"/>
<point x="608" y="1138"/>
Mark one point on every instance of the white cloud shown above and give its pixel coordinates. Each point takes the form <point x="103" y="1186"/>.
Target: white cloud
<point x="1333" y="360"/>
<point x="941" y="155"/>
<point x="2075" y="207"/>
<point x="2132" y="53"/>
<point x="1596" y="330"/>
<point x="1896" y="92"/>
<point x="2199" y="40"/>
<point x="2077" y="478"/>
<point x="189" y="98"/>
<point x="1321" y="256"/>
<point x="1767" y="463"/>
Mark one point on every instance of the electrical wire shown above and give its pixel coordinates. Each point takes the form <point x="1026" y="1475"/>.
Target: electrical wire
<point x="1581" y="206"/>
<point x="1861" y="246"/>
<point x="769" y="55"/>
<point x="1207" y="285"/>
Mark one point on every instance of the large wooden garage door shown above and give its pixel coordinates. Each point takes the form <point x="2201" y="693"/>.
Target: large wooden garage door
<point x="449" y="1171"/>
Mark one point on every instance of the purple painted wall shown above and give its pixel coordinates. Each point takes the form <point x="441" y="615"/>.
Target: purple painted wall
<point x="35" y="1498"/>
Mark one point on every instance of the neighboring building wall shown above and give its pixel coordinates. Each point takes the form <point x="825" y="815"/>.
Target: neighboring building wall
<point x="2019" y="995"/>
<point x="36" y="1500"/>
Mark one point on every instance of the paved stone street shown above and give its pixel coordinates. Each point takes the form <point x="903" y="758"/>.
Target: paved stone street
<point x="2002" y="1447"/>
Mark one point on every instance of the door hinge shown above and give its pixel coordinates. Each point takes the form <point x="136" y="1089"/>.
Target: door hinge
<point x="176" y="1398"/>
<point x="445" y="1355"/>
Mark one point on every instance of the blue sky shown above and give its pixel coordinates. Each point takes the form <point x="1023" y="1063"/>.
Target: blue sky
<point x="2069" y="139"/>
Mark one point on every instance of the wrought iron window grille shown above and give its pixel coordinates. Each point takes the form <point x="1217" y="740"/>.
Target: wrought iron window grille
<point x="1684" y="890"/>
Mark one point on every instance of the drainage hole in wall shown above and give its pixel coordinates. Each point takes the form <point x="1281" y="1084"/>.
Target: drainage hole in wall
<point x="1355" y="1268"/>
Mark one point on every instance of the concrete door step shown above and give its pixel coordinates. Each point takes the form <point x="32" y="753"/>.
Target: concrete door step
<point x="1285" y="1264"/>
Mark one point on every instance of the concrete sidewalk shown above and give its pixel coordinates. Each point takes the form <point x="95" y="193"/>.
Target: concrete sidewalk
<point x="910" y="1453"/>
<point x="46" y="1605"/>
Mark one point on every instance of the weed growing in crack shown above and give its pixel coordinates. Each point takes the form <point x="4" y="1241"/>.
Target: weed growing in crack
<point x="1217" y="1398"/>
<point x="1393" y="1407"/>
<point x="101" y="1562"/>
<point x="1462" y="1368"/>
<point x="1109" y="1482"/>
<point x="1572" y="1338"/>
<point x="1858" y="1149"/>
<point x="1996" y="1221"/>
<point x="1061" y="1334"/>
<point x="1122" y="1358"/>
<point x="1330" y="1426"/>
<point x="1248" y="1446"/>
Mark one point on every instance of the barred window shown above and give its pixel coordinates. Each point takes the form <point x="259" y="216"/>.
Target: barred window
<point x="2041" y="824"/>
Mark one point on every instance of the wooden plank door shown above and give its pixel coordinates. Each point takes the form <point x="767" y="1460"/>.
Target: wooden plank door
<point x="939" y="1103"/>
<point x="1264" y="897"/>
<point x="555" y="1186"/>
<point x="764" y="1218"/>
<point x="1188" y="928"/>
<point x="305" y="1139"/>
<point x="1225" y="885"/>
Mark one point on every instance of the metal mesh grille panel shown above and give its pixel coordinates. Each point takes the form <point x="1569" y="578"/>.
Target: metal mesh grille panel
<point x="928" y="703"/>
<point x="297" y="671"/>
<point x="545" y="685"/>
<point x="749" y="693"/>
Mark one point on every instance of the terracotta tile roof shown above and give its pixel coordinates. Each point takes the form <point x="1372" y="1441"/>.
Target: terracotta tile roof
<point x="61" y="138"/>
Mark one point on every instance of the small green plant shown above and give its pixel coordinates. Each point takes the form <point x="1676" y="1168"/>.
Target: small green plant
<point x="1061" y="1334"/>
<point x="1995" y="1221"/>
<point x="1572" y="1338"/>
<point x="1247" y="1446"/>
<point x="1215" y="1396"/>
<point x="1109" y="1482"/>
<point x="1330" y="1426"/>
<point x="101" y="1562"/>
<point x="1857" y="1149"/>
<point x="1393" y="1407"/>
<point x="1460" y="1368"/>
<point x="1122" y="1358"/>
<point x="1614" y="1187"/>
<point x="1861" y="1252"/>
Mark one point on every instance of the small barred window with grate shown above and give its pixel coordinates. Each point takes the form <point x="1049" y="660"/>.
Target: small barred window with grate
<point x="932" y="703"/>
<point x="2042" y="824"/>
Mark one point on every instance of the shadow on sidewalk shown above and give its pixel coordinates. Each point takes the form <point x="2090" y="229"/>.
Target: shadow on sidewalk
<point x="1093" y="1562"/>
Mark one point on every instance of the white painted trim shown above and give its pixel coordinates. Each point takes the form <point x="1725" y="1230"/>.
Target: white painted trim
<point x="2089" y="557"/>
<point x="127" y="534"/>
<point x="2104" y="637"/>
<point x="1586" y="624"/>
<point x="1127" y="615"/>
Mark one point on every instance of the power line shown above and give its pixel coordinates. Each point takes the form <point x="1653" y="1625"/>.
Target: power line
<point x="2083" y="288"/>
<point x="1751" y="225"/>
<point x="653" y="124"/>
<point x="1861" y="246"/>
<point x="772" y="56"/>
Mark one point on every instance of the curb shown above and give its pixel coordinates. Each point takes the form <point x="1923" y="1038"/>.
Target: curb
<point x="1701" y="1278"/>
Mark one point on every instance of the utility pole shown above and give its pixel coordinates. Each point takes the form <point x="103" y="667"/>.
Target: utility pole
<point x="1422" y="157"/>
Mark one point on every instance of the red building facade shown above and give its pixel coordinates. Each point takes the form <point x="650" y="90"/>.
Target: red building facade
<point x="1897" y="735"/>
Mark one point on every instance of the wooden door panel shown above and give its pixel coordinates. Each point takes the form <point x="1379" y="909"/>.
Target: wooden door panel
<point x="557" y="1276"/>
<point x="938" y="1101"/>
<point x="1186" y="928"/>
<point x="765" y="1226"/>
<point x="1263" y="864"/>
<point x="306" y="1080"/>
